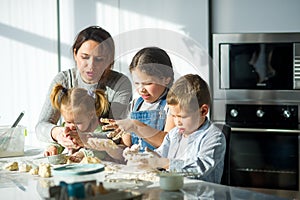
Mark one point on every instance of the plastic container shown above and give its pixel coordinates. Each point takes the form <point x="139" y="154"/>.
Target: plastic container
<point x="12" y="141"/>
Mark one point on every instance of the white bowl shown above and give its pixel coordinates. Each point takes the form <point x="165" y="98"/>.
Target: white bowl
<point x="57" y="159"/>
<point x="170" y="181"/>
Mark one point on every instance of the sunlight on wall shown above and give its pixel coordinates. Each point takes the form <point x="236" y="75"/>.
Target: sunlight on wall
<point x="125" y="17"/>
<point x="141" y="26"/>
<point x="28" y="57"/>
<point x="133" y="28"/>
<point x="107" y="16"/>
<point x="29" y="41"/>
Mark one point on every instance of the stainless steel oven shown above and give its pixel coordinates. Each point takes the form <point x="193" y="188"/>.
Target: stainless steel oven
<point x="256" y="90"/>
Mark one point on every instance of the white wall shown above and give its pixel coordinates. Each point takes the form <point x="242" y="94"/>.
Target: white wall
<point x="29" y="42"/>
<point x="241" y="16"/>
<point x="179" y="27"/>
<point x="28" y="54"/>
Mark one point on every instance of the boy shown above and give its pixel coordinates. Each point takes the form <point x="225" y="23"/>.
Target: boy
<point x="195" y="145"/>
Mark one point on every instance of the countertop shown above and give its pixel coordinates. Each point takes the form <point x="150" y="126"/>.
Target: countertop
<point x="15" y="184"/>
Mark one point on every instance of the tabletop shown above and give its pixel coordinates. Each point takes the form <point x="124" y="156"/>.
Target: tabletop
<point x="15" y="184"/>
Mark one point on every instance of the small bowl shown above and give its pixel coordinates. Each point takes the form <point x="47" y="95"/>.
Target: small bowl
<point x="170" y="181"/>
<point x="57" y="159"/>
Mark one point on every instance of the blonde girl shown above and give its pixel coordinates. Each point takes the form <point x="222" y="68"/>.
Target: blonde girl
<point x="80" y="109"/>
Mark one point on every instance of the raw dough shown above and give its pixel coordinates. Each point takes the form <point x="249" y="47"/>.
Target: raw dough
<point x="44" y="170"/>
<point x="111" y="134"/>
<point x="90" y="160"/>
<point x="34" y="171"/>
<point x="104" y="120"/>
<point x="103" y="142"/>
<point x="25" y="167"/>
<point x="130" y="152"/>
<point x="12" y="166"/>
<point x="114" y="136"/>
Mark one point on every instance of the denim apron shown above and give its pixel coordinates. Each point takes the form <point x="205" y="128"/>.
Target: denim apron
<point x="154" y="118"/>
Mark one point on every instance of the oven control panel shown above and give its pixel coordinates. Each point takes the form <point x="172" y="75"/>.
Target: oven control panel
<point x="262" y="116"/>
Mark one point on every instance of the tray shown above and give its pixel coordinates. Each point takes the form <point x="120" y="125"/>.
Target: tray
<point x="78" y="169"/>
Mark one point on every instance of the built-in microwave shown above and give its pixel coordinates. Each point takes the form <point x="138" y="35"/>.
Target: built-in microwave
<point x="258" y="61"/>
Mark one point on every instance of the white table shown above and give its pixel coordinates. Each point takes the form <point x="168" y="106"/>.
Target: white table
<point x="17" y="185"/>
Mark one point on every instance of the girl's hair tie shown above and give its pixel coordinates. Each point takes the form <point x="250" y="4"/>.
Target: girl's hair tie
<point x="64" y="90"/>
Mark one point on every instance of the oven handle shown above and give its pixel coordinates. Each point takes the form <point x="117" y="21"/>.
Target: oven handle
<point x="296" y="131"/>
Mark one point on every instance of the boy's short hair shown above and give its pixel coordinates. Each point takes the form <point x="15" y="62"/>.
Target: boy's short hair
<point x="190" y="92"/>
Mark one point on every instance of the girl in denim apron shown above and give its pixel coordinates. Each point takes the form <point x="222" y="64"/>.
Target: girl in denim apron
<point x="152" y="75"/>
<point x="154" y="118"/>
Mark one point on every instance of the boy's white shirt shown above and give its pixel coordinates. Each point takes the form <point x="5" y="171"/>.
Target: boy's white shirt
<point x="204" y="154"/>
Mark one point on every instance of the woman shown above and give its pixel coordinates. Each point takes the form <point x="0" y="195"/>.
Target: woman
<point x="93" y="52"/>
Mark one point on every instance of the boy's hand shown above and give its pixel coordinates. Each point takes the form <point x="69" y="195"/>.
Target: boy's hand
<point x="154" y="160"/>
<point x="151" y="152"/>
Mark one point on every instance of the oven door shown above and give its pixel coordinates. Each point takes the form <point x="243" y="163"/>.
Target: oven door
<point x="264" y="158"/>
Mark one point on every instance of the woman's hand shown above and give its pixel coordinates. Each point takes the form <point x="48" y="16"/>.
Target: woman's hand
<point x="66" y="137"/>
